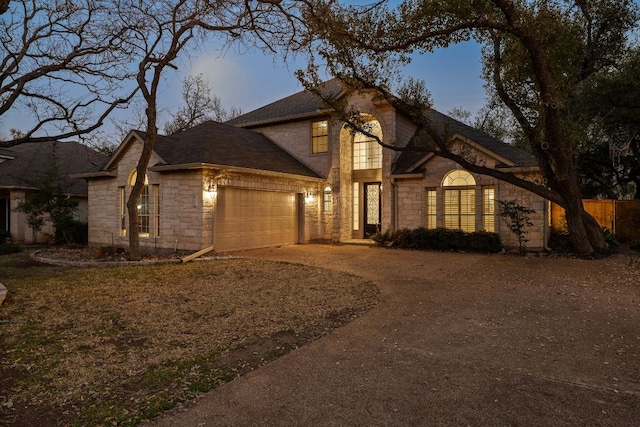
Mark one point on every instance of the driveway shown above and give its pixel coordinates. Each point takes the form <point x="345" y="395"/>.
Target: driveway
<point x="457" y="339"/>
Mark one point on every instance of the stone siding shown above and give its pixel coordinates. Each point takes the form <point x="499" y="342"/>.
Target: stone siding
<point x="411" y="202"/>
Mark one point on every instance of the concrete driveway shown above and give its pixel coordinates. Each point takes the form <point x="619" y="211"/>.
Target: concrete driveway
<point x="457" y="339"/>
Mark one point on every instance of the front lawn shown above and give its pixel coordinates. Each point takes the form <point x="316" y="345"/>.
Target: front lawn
<point x="99" y="346"/>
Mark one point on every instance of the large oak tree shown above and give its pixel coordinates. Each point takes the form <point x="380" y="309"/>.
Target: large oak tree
<point x="536" y="56"/>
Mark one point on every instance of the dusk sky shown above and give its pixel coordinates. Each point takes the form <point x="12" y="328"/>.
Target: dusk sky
<point x="249" y="81"/>
<point x="252" y="79"/>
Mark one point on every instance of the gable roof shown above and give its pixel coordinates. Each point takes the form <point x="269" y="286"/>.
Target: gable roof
<point x="225" y="145"/>
<point x="300" y="105"/>
<point x="445" y="125"/>
<point x="305" y="104"/>
<point x="214" y="145"/>
<point x="28" y="162"/>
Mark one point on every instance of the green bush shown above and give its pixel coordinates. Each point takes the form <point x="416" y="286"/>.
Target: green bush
<point x="71" y="231"/>
<point x="9" y="249"/>
<point x="441" y="239"/>
<point x="5" y="237"/>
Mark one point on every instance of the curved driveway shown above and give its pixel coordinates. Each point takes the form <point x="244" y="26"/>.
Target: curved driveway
<point x="457" y="339"/>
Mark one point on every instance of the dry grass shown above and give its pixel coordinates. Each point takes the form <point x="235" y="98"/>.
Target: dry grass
<point x="118" y="345"/>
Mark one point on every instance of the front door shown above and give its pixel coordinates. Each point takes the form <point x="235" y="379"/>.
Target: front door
<point x="372" y="211"/>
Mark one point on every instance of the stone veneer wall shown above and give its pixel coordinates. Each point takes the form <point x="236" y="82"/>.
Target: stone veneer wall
<point x="187" y="213"/>
<point x="411" y="202"/>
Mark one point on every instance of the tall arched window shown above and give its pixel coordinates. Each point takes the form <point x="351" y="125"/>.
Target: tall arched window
<point x="367" y="153"/>
<point x="459" y="192"/>
<point x="144" y="220"/>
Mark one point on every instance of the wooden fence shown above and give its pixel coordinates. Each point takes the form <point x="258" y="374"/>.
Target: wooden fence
<point x="622" y="217"/>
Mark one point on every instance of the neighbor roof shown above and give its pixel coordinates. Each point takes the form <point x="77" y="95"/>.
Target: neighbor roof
<point x="297" y="106"/>
<point x="225" y="145"/>
<point x="28" y="162"/>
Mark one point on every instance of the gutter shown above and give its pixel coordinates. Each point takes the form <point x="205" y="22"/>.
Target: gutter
<point x="195" y="166"/>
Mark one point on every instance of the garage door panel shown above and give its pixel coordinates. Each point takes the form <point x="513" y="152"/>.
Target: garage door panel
<point x="250" y="219"/>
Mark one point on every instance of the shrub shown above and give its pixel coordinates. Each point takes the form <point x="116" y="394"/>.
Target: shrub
<point x="71" y="231"/>
<point x="441" y="239"/>
<point x="5" y="244"/>
<point x="9" y="249"/>
<point x="5" y="237"/>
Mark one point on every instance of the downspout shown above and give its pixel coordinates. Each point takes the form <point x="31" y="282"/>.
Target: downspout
<point x="395" y="203"/>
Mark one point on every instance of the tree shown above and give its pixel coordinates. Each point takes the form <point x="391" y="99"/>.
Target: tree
<point x="158" y="31"/>
<point x="536" y="55"/>
<point x="517" y="218"/>
<point x="49" y="202"/>
<point x="199" y="106"/>
<point x="609" y="106"/>
<point x="62" y="64"/>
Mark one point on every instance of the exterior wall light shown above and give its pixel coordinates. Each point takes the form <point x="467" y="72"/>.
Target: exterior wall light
<point x="308" y="197"/>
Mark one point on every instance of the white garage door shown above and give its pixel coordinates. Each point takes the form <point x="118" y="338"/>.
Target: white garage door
<point x="253" y="219"/>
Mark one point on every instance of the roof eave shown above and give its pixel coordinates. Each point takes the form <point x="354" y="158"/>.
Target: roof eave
<point x="285" y="119"/>
<point x="98" y="174"/>
<point x="196" y="166"/>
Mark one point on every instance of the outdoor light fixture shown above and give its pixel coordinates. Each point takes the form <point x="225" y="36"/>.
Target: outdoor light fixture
<point x="308" y="197"/>
<point x="212" y="190"/>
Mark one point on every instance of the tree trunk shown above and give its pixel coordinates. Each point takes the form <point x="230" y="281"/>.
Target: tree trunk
<point x="585" y="233"/>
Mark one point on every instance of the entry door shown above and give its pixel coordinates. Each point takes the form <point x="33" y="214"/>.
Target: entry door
<point x="372" y="208"/>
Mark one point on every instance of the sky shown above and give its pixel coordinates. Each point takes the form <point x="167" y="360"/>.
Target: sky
<point x="253" y="79"/>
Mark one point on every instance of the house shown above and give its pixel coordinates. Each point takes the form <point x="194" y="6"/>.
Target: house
<point x="23" y="166"/>
<point x="289" y="173"/>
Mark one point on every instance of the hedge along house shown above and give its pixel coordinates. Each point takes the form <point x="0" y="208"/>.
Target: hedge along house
<point x="288" y="173"/>
<point x="24" y="166"/>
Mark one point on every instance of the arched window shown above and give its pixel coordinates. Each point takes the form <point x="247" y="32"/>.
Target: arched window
<point x="367" y="152"/>
<point x="143" y="205"/>
<point x="459" y="194"/>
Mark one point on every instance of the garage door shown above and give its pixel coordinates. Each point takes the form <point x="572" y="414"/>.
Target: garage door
<point x="253" y="219"/>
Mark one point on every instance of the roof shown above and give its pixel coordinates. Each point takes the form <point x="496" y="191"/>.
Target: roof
<point x="306" y="104"/>
<point x="220" y="144"/>
<point x="28" y="162"/>
<point x="447" y="125"/>
<point x="297" y="106"/>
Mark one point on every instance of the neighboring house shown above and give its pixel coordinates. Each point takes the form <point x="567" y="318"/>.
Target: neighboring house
<point x="287" y="173"/>
<point x="23" y="166"/>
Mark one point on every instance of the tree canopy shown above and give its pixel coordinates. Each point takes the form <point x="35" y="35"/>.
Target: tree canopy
<point x="536" y="54"/>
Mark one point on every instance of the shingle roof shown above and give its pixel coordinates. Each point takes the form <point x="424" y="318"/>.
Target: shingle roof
<point x="31" y="161"/>
<point x="221" y="144"/>
<point x="306" y="104"/>
<point x="447" y="125"/>
<point x="297" y="106"/>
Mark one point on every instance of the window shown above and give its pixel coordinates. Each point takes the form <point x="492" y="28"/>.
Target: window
<point x="367" y="152"/>
<point x="460" y="202"/>
<point x="320" y="137"/>
<point x="143" y="206"/>
<point x="123" y="211"/>
<point x="488" y="209"/>
<point x="356" y="206"/>
<point x="326" y="199"/>
<point x="431" y="209"/>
